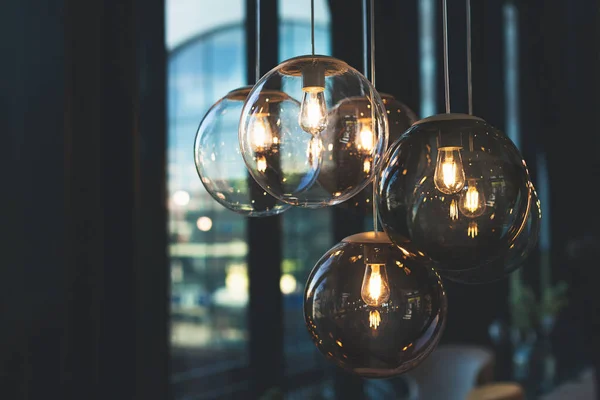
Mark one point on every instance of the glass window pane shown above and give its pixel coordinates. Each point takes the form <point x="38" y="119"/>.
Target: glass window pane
<point x="209" y="283"/>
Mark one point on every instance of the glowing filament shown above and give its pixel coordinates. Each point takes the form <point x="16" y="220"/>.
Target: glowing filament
<point x="367" y="166"/>
<point x="453" y="210"/>
<point x="365" y="140"/>
<point x="261" y="164"/>
<point x="473" y="230"/>
<point x="374" y="319"/>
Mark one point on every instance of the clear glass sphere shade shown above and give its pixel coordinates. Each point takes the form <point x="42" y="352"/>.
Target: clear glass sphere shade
<point x="399" y="117"/>
<point x="374" y="309"/>
<point x="516" y="255"/>
<point x="411" y="205"/>
<point x="220" y="164"/>
<point x="318" y="159"/>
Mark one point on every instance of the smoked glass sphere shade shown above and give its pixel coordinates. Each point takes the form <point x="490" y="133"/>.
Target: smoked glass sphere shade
<point x="458" y="188"/>
<point x="400" y="116"/>
<point x="219" y="162"/>
<point x="325" y="143"/>
<point x="373" y="308"/>
<point x="516" y="255"/>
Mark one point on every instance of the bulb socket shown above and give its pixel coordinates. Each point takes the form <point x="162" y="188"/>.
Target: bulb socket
<point x="313" y="78"/>
<point x="376" y="253"/>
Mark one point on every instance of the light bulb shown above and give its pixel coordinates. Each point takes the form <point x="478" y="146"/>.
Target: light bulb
<point x="449" y="174"/>
<point x="365" y="139"/>
<point x="261" y="133"/>
<point x="472" y="202"/>
<point x="261" y="164"/>
<point x="313" y="110"/>
<point x="375" y="288"/>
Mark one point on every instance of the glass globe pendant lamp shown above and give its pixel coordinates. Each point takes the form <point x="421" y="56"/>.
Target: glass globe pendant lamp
<point x="374" y="308"/>
<point x="399" y="118"/>
<point x="325" y="148"/>
<point x="217" y="156"/>
<point x="456" y="186"/>
<point x="218" y="160"/>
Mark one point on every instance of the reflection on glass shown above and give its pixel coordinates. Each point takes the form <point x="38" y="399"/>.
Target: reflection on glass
<point x="473" y="229"/>
<point x="260" y="132"/>
<point x="374" y="319"/>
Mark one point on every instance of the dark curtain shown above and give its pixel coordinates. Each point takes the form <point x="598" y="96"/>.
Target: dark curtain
<point x="84" y="273"/>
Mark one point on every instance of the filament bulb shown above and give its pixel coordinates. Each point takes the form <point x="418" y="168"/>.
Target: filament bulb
<point x="313" y="110"/>
<point x="472" y="202"/>
<point x="261" y="133"/>
<point x="375" y="288"/>
<point x="365" y="141"/>
<point x="261" y="164"/>
<point x="449" y="174"/>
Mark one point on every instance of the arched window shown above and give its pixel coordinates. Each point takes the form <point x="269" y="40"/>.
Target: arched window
<point x="206" y="44"/>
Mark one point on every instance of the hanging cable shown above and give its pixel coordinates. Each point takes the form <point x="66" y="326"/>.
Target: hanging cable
<point x="312" y="25"/>
<point x="365" y="39"/>
<point x="372" y="37"/>
<point x="446" y="68"/>
<point x="257" y="67"/>
<point x="469" y="68"/>
<point x="372" y="23"/>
